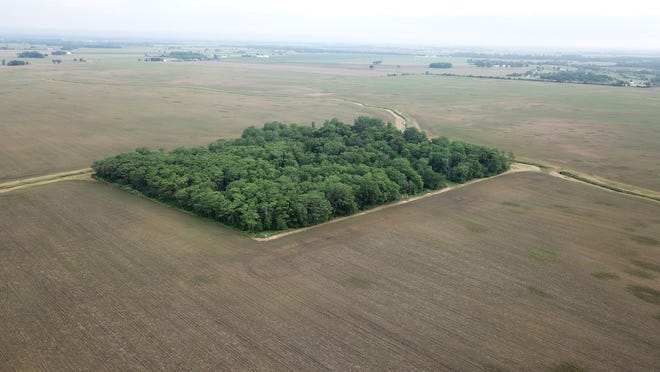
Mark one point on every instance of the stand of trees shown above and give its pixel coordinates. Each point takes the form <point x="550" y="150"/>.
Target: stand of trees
<point x="580" y="77"/>
<point x="31" y="54"/>
<point x="279" y="177"/>
<point x="16" y="62"/>
<point x="491" y="63"/>
<point x="186" y="56"/>
<point x="440" y="65"/>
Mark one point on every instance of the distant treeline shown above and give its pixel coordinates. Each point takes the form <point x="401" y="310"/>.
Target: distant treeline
<point x="580" y="77"/>
<point x="279" y="177"/>
<point x="650" y="64"/>
<point x="185" y="55"/>
<point x="565" y="59"/>
<point x="15" y="63"/>
<point x="511" y="56"/>
<point x="496" y="62"/>
<point x="440" y="65"/>
<point x="31" y="54"/>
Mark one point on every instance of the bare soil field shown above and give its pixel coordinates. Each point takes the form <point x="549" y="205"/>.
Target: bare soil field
<point x="523" y="271"/>
<point x="62" y="117"/>
<point x="55" y="121"/>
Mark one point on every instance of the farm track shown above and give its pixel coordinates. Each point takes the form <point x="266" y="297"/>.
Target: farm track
<point x="401" y="120"/>
<point x="79" y="174"/>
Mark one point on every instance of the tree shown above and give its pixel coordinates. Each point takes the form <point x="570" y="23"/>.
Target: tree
<point x="341" y="198"/>
<point x="317" y="206"/>
<point x="440" y="65"/>
<point x="31" y="54"/>
<point x="278" y="176"/>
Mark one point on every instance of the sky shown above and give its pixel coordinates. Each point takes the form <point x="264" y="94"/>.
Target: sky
<point x="631" y="24"/>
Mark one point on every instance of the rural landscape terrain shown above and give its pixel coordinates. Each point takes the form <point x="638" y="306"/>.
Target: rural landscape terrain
<point x="551" y="265"/>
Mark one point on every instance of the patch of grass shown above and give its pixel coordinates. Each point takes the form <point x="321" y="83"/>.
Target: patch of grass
<point x="515" y="207"/>
<point x="356" y="282"/>
<point x="538" y="291"/>
<point x="646" y="265"/>
<point x="646" y="240"/>
<point x="644" y="293"/>
<point x="494" y="368"/>
<point x="568" y="367"/>
<point x="476" y="228"/>
<point x="202" y="279"/>
<point x="542" y="254"/>
<point x="640" y="273"/>
<point x="604" y="275"/>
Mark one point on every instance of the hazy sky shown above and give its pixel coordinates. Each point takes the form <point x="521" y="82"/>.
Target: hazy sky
<point x="632" y="24"/>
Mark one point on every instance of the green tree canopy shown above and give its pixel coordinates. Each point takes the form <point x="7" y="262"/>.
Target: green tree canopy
<point x="285" y="176"/>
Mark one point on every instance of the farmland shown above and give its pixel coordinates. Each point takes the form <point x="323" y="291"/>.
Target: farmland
<point x="93" y="277"/>
<point x="62" y="117"/>
<point x="524" y="271"/>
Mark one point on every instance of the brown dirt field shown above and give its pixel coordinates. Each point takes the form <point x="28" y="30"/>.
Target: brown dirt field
<point x="63" y="117"/>
<point x="61" y="120"/>
<point x="497" y="274"/>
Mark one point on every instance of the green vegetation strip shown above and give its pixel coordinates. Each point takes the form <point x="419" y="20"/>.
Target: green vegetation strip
<point x="542" y="254"/>
<point x="604" y="275"/>
<point x="644" y="293"/>
<point x="281" y="177"/>
<point x="606" y="186"/>
<point x="646" y="265"/>
<point x="640" y="273"/>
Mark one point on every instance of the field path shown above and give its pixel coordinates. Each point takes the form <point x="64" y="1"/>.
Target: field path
<point x="78" y="174"/>
<point x="400" y="120"/>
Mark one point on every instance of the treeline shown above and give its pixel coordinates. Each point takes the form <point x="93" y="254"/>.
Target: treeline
<point x="580" y="77"/>
<point x="279" y="177"/>
<point x="31" y="54"/>
<point x="15" y="63"/>
<point x="440" y="65"/>
<point x="491" y="63"/>
<point x="185" y="55"/>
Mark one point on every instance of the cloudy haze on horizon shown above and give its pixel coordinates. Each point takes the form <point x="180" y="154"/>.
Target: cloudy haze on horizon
<point x="513" y="23"/>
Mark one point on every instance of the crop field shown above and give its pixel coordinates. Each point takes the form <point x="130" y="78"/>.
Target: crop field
<point x="62" y="117"/>
<point x="61" y="120"/>
<point x="521" y="272"/>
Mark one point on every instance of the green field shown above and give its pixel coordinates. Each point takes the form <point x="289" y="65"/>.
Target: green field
<point x="96" y="278"/>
